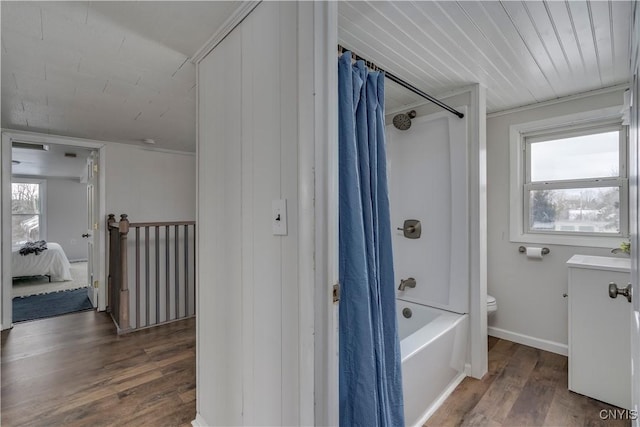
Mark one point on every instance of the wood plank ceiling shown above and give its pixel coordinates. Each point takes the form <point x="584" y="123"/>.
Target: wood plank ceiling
<point x="523" y="51"/>
<point x="120" y="71"/>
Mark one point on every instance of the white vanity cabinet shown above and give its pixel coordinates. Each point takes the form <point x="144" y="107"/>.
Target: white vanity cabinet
<point x="599" y="329"/>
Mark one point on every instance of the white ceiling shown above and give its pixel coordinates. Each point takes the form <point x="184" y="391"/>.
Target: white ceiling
<point x="113" y="71"/>
<point x="523" y="52"/>
<point x="51" y="163"/>
<point x="120" y="71"/>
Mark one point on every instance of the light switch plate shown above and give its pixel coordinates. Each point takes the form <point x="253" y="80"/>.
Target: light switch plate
<point x="279" y="217"/>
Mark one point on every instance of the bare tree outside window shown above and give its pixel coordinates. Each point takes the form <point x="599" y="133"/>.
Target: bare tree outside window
<point x="575" y="183"/>
<point x="26" y="212"/>
<point x="542" y="208"/>
<point x="591" y="210"/>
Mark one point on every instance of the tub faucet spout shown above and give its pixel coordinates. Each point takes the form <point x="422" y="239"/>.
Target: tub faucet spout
<point x="407" y="283"/>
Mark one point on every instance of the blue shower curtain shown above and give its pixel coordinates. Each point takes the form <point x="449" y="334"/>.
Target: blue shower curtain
<point x="369" y="355"/>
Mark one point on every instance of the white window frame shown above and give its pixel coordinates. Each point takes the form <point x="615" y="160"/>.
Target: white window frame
<point x="569" y="125"/>
<point x="43" y="203"/>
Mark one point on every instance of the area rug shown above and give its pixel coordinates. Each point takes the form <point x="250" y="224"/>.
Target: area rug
<point x="49" y="305"/>
<point x="24" y="287"/>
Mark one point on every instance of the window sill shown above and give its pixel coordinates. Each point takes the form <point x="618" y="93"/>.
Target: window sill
<point x="565" y="240"/>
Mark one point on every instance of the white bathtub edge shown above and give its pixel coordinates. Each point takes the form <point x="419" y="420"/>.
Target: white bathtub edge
<point x="539" y="343"/>
<point x="440" y="400"/>
<point x="421" y="338"/>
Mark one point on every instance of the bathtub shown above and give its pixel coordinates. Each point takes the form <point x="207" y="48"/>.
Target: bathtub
<point x="433" y="345"/>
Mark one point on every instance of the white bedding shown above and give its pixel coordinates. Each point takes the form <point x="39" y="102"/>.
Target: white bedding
<point x="52" y="262"/>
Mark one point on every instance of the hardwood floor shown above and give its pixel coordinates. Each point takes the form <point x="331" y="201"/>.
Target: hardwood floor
<point x="74" y="371"/>
<point x="524" y="387"/>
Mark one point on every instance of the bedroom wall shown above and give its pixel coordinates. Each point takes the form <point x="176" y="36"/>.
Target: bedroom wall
<point x="149" y="185"/>
<point x="66" y="216"/>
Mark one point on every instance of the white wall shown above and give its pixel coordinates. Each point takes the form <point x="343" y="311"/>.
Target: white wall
<point x="255" y="307"/>
<point x="531" y="308"/>
<point x="149" y="185"/>
<point x="634" y="146"/>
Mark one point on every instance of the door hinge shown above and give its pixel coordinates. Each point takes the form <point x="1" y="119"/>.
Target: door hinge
<point x="336" y="293"/>
<point x="96" y="284"/>
<point x="95" y="168"/>
<point x="95" y="225"/>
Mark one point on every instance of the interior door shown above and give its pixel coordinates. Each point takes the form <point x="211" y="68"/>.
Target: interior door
<point x="92" y="227"/>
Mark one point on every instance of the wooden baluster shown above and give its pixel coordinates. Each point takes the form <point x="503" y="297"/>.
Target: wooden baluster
<point x="177" y="272"/>
<point x="124" y="285"/>
<point x="138" y="301"/>
<point x="157" y="243"/>
<point x="194" y="270"/>
<point x="119" y="291"/>
<point x="186" y="270"/>
<point x="167" y="288"/>
<point x="111" y="218"/>
<point x="146" y="275"/>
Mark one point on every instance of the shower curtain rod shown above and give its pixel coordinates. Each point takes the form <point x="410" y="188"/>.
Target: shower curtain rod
<point x="402" y="83"/>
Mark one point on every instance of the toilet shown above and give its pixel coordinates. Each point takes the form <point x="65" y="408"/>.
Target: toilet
<point x="492" y="305"/>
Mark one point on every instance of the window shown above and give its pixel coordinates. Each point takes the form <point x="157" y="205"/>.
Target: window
<point x="27" y="211"/>
<point x="572" y="185"/>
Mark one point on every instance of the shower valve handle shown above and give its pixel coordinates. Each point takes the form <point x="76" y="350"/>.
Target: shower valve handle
<point x="412" y="229"/>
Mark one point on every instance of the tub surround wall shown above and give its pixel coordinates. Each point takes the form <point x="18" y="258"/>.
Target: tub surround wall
<point x="532" y="309"/>
<point x="471" y="98"/>
<point x="428" y="181"/>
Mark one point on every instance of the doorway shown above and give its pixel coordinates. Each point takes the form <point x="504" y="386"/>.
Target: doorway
<point x="51" y="257"/>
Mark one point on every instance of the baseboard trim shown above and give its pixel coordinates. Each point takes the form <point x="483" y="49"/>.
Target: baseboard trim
<point x="552" y="346"/>
<point x="199" y="421"/>
<point x="128" y="331"/>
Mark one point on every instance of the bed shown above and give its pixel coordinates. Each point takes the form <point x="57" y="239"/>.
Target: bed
<point x="52" y="262"/>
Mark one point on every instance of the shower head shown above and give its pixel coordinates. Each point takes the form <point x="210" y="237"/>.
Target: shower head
<point x="402" y="121"/>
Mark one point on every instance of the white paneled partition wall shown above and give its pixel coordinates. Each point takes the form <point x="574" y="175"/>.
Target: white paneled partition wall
<point x="256" y="121"/>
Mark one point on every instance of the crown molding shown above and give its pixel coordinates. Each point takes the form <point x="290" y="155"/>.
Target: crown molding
<point x="602" y="91"/>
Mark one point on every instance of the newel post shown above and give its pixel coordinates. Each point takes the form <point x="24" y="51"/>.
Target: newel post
<point x="124" y="284"/>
